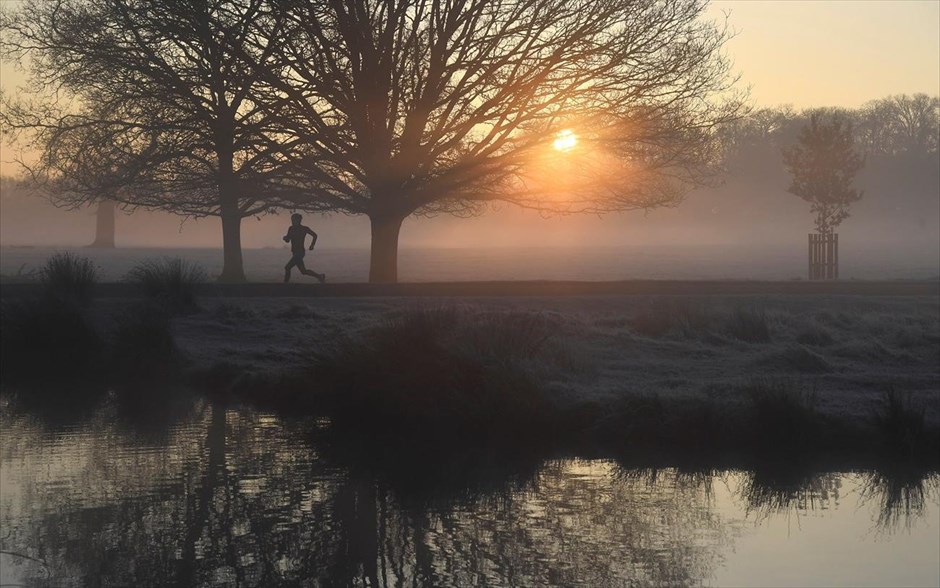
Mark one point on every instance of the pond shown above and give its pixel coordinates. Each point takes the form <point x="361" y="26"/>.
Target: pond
<point x="232" y="496"/>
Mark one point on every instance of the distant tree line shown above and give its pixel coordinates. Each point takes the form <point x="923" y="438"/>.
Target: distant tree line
<point x="900" y="127"/>
<point x="890" y="144"/>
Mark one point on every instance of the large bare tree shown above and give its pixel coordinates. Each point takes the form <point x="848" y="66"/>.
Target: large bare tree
<point x="148" y="103"/>
<point x="395" y="108"/>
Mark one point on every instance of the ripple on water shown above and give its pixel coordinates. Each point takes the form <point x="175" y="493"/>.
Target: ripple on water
<point x="237" y="496"/>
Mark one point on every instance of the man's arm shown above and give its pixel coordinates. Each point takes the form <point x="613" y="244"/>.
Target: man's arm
<point x="287" y="236"/>
<point x="313" y="237"/>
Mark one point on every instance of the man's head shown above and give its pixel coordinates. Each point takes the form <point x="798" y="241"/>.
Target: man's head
<point x="296" y="218"/>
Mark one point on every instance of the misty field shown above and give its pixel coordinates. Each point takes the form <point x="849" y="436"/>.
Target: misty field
<point x="439" y="361"/>
<point x="597" y="349"/>
<point x="755" y="261"/>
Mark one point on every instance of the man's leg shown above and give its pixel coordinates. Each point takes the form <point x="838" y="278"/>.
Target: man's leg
<point x="287" y="268"/>
<point x="303" y="269"/>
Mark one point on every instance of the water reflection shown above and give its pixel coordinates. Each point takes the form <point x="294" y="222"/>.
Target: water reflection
<point x="901" y="496"/>
<point x="787" y="487"/>
<point x="237" y="497"/>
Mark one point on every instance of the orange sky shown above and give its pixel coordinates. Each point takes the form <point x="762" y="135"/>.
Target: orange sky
<point x="833" y="53"/>
<point x="806" y="52"/>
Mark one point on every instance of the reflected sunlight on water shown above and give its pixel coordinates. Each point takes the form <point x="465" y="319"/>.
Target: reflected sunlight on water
<point x="241" y="497"/>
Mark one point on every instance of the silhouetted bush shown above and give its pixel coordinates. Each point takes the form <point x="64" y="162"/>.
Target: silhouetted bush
<point x="170" y="281"/>
<point x="440" y="369"/>
<point x="69" y="277"/>
<point x="901" y="424"/>
<point x="669" y="315"/>
<point x="784" y="415"/>
<point x="47" y="339"/>
<point x="748" y="325"/>
<point x="142" y="346"/>
<point x="690" y="425"/>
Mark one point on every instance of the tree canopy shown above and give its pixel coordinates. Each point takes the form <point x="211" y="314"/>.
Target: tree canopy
<point x="376" y="107"/>
<point x="426" y="107"/>
<point x="148" y="103"/>
<point x="823" y="164"/>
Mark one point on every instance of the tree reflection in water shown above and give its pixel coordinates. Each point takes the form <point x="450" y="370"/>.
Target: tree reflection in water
<point x="237" y="497"/>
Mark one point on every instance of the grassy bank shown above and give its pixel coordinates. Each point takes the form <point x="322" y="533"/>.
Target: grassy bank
<point x="680" y="374"/>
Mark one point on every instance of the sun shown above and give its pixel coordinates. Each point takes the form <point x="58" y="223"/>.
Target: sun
<point x="566" y="140"/>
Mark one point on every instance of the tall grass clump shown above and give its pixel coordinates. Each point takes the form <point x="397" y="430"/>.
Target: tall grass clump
<point x="669" y="315"/>
<point x="901" y="424"/>
<point x="444" y="369"/>
<point x="68" y="277"/>
<point x="901" y="492"/>
<point x="143" y="348"/>
<point x="47" y="339"/>
<point x="815" y="335"/>
<point x="781" y="486"/>
<point x="748" y="325"/>
<point x="169" y="281"/>
<point x="783" y="414"/>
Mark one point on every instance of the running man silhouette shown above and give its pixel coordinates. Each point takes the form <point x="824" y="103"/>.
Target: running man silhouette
<point x="296" y="235"/>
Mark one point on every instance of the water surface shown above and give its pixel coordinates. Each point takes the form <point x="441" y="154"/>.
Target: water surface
<point x="224" y="497"/>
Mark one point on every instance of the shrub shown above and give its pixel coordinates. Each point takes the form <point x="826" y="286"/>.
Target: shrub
<point x="47" y="339"/>
<point x="439" y="369"/>
<point x="143" y="347"/>
<point x="170" y="281"/>
<point x="69" y="277"/>
<point x="901" y="424"/>
<point x="748" y="325"/>
<point x="784" y="415"/>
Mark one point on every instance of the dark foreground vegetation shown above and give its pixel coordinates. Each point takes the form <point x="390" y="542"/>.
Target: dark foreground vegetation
<point x="450" y="377"/>
<point x="51" y="339"/>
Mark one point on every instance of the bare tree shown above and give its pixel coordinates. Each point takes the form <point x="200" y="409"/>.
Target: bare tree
<point x="901" y="125"/>
<point x="916" y="119"/>
<point x="823" y="164"/>
<point x="148" y="102"/>
<point x="420" y="107"/>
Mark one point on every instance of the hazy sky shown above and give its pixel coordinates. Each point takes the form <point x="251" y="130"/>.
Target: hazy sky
<point x="834" y="53"/>
<point x="815" y="52"/>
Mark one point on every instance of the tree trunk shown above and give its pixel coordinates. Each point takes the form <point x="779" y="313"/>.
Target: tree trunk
<point x="104" y="225"/>
<point x="383" y="264"/>
<point x="233" y="269"/>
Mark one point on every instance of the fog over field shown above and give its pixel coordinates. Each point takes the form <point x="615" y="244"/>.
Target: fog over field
<point x="747" y="226"/>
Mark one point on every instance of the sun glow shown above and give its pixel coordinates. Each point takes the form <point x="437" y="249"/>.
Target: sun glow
<point x="566" y="140"/>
